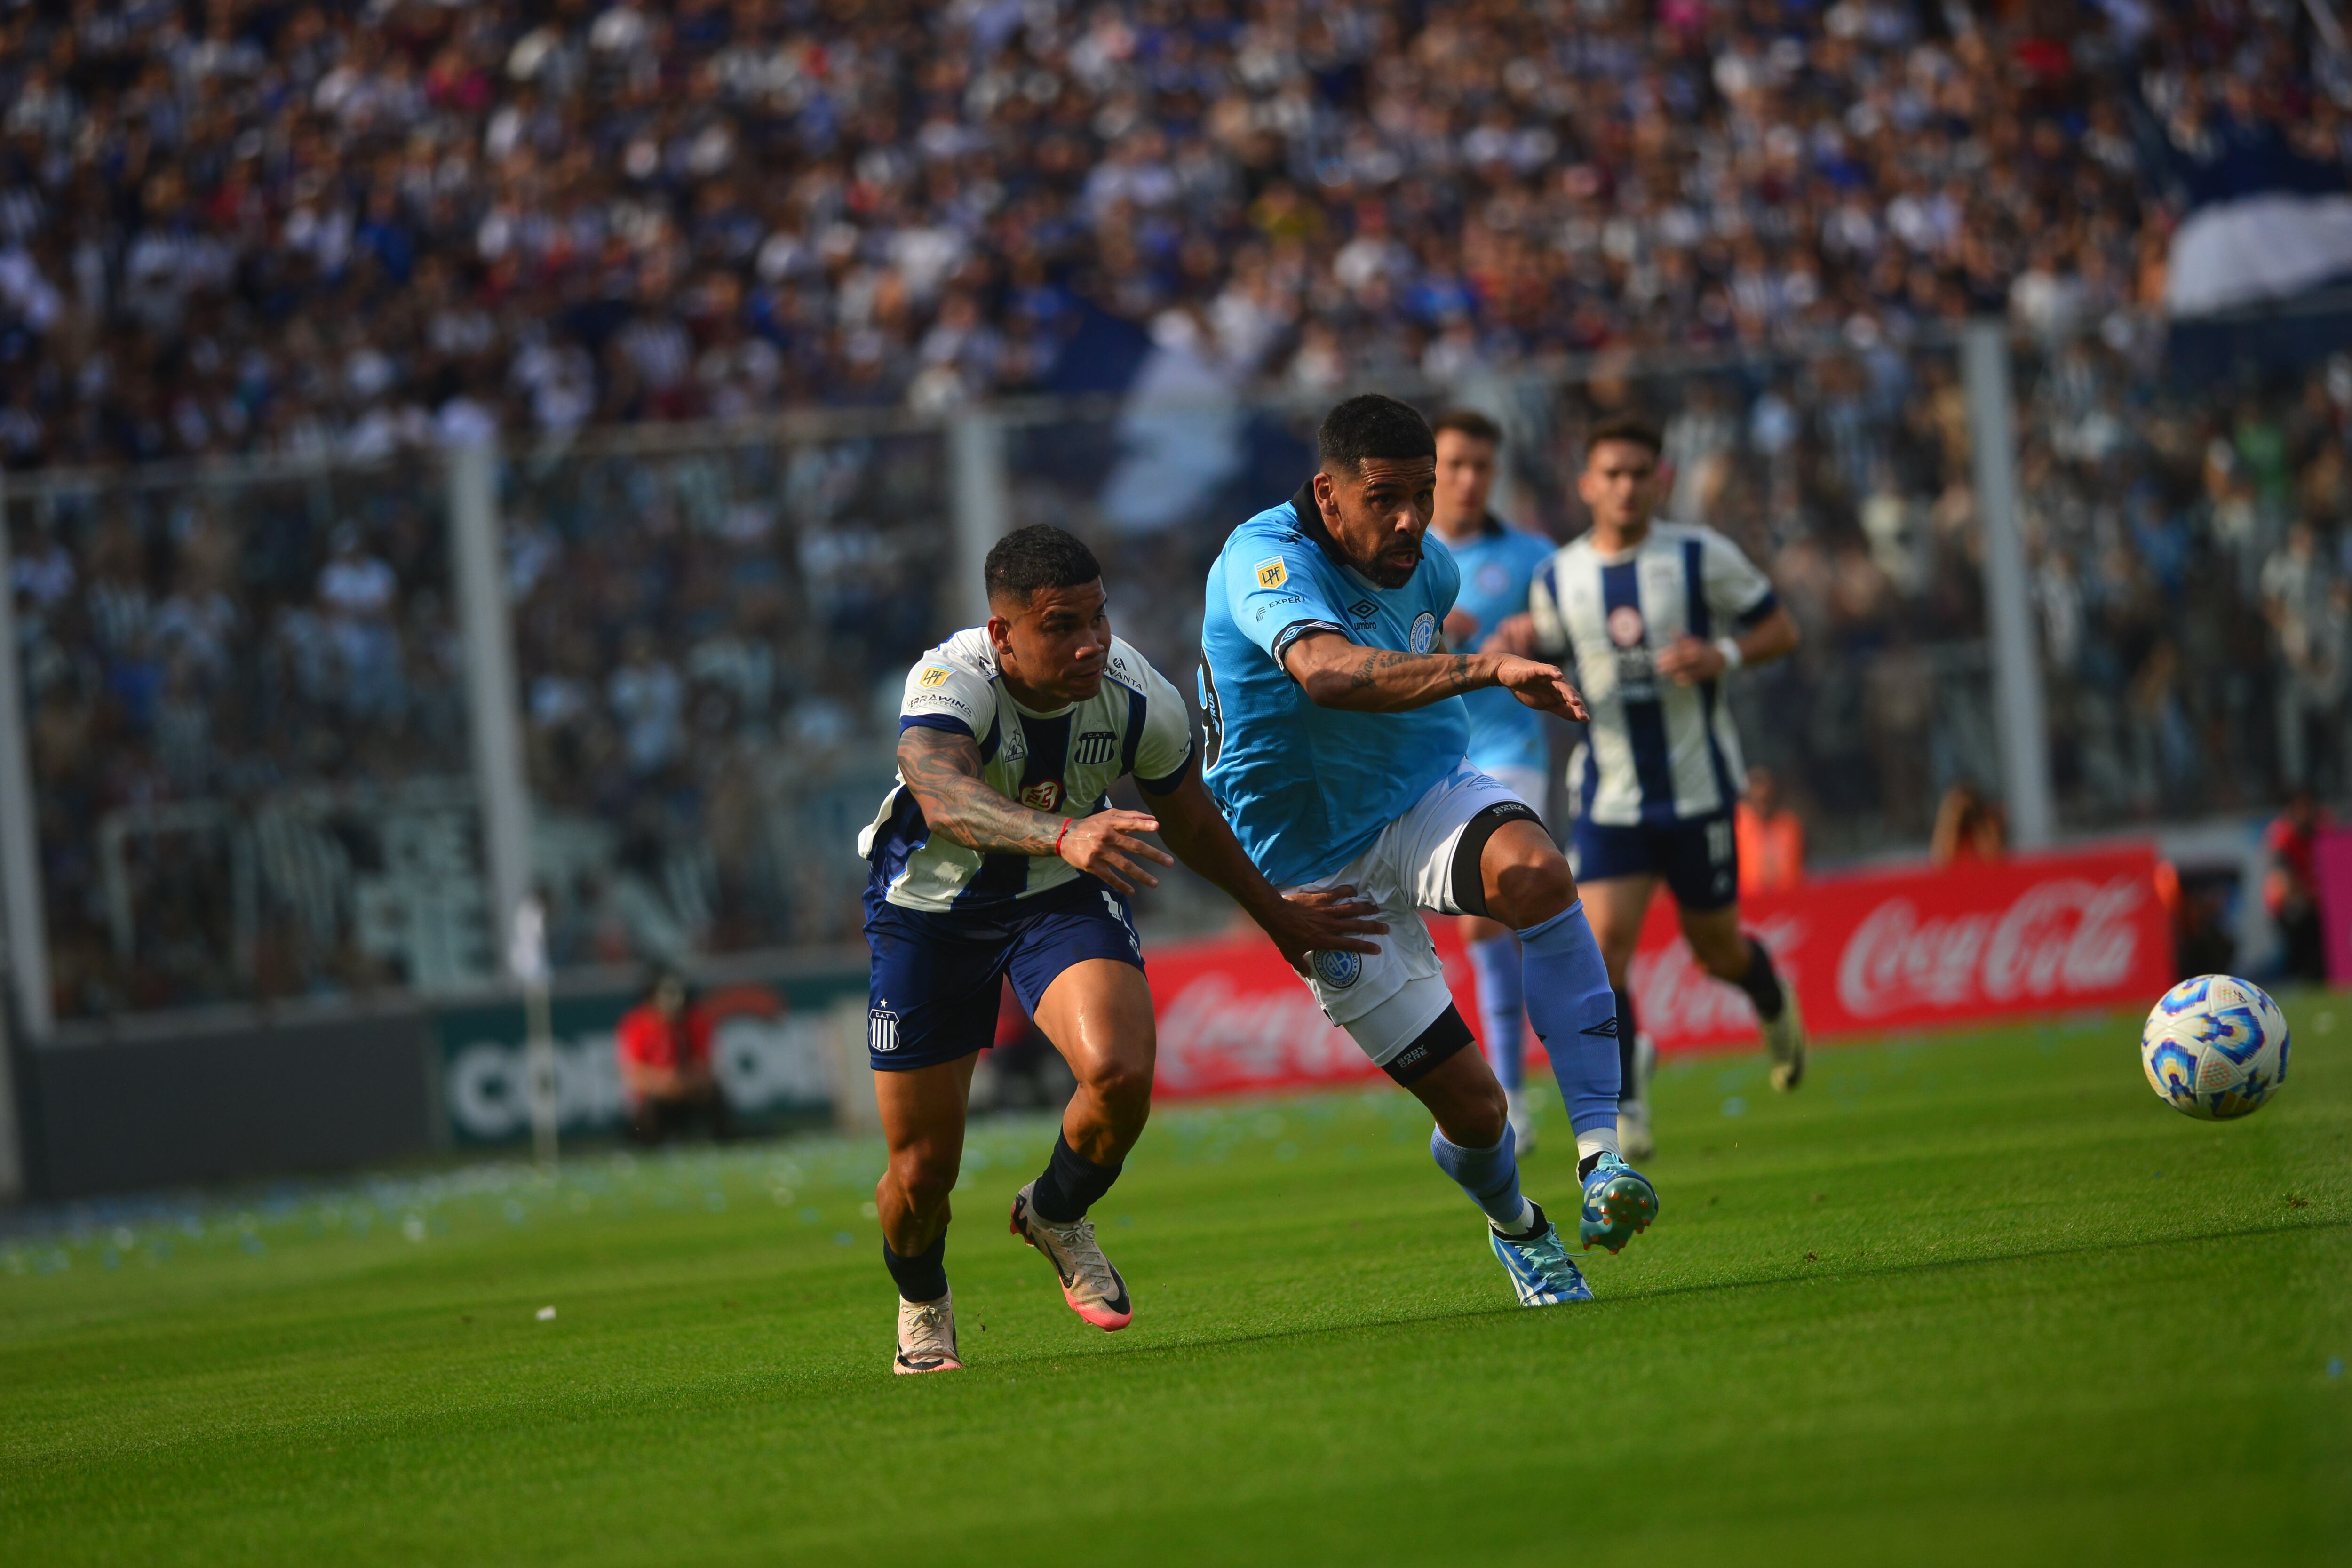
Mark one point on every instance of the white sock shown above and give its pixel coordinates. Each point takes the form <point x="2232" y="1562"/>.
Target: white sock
<point x="1524" y="1224"/>
<point x="1599" y="1140"/>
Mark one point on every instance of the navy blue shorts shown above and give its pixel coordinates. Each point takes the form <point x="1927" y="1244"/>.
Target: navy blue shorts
<point x="1698" y="856"/>
<point x="936" y="978"/>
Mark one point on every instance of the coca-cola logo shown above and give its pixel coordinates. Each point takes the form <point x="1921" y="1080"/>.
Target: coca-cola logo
<point x="1215" y="1035"/>
<point x="2059" y="937"/>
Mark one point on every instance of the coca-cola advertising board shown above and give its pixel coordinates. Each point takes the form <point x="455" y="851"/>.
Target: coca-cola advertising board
<point x="2331" y="866"/>
<point x="1868" y="953"/>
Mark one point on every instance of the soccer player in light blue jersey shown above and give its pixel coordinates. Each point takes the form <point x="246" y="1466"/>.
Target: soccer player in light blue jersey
<point x="1336" y="737"/>
<point x="1507" y="737"/>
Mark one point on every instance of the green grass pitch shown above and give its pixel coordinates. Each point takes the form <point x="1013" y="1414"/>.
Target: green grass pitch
<point x="1965" y="1299"/>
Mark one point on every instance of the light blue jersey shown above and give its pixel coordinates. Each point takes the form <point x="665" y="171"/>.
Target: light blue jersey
<point x="1496" y="567"/>
<point x="1307" y="788"/>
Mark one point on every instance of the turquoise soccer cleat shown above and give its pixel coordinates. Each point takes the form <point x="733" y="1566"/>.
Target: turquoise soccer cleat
<point x="1618" y="1204"/>
<point x="1540" y="1269"/>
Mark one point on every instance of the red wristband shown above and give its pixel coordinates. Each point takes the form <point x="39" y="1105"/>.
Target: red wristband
<point x="1064" y="834"/>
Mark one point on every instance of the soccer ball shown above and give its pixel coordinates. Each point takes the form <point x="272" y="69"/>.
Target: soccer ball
<point x="2215" y="1047"/>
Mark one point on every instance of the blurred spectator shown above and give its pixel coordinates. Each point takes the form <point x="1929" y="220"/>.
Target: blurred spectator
<point x="2291" y="884"/>
<point x="1771" y="837"/>
<point x="2304" y="601"/>
<point x="1968" y="828"/>
<point x="356" y="593"/>
<point x="664" y="1045"/>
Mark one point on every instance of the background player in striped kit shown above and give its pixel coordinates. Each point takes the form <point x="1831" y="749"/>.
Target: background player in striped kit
<point x="997" y="855"/>
<point x="1507" y="742"/>
<point x="1654" y="616"/>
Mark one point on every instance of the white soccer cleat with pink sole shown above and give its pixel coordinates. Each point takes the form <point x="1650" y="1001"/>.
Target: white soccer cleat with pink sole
<point x="1089" y="1284"/>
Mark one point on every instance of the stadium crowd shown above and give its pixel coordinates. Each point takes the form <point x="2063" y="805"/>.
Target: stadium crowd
<point x="234" y="225"/>
<point x="353" y="231"/>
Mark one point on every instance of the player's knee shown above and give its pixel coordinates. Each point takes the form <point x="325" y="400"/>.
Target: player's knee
<point x="1723" y="955"/>
<point x="925" y="1174"/>
<point x="1122" y="1085"/>
<point x="1532" y="886"/>
<point x="1477" y="1119"/>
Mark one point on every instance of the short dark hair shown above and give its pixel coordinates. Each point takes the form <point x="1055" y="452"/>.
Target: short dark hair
<point x="1373" y="426"/>
<point x="1625" y="428"/>
<point x="1470" y="423"/>
<point x="1037" y="556"/>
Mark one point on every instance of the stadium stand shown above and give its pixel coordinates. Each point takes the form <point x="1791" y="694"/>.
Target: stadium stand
<point x="328" y="241"/>
<point x="279" y="226"/>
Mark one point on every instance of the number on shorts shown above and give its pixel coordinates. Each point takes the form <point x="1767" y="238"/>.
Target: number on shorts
<point x="1718" y="842"/>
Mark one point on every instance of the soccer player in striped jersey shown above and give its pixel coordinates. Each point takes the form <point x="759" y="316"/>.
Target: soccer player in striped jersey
<point x="996" y="854"/>
<point x="1507" y="736"/>
<point x="1652" y="616"/>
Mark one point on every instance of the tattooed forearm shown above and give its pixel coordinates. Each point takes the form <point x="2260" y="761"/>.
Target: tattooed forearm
<point x="1367" y="674"/>
<point x="1460" y="674"/>
<point x="943" y="771"/>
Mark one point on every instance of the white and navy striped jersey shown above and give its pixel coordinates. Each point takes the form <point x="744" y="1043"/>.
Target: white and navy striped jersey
<point x="1656" y="750"/>
<point x="1063" y="762"/>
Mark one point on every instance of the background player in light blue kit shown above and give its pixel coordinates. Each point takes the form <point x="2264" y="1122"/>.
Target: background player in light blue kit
<point x="1336" y="736"/>
<point x="1507" y="742"/>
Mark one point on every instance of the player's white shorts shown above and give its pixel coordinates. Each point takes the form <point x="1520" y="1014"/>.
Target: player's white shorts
<point x="1528" y="783"/>
<point x="1385" y="999"/>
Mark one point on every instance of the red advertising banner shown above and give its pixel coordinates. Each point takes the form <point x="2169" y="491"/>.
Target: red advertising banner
<point x="1868" y="954"/>
<point x="2331" y="867"/>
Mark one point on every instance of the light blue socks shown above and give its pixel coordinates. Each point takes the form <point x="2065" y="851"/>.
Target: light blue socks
<point x="1491" y="1177"/>
<point x="1502" y="1008"/>
<point x="1575" y="1014"/>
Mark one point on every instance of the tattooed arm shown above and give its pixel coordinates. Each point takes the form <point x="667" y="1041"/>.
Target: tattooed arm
<point x="943" y="770"/>
<point x="1336" y="673"/>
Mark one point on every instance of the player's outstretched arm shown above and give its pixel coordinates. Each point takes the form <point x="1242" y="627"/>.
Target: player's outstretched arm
<point x="943" y="771"/>
<point x="1690" y="660"/>
<point x="1334" y="918"/>
<point x="1336" y="673"/>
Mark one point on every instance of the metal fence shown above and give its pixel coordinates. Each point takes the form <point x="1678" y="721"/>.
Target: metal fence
<point x="272" y="716"/>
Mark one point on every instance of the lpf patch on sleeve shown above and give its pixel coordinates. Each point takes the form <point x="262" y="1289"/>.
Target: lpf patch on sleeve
<point x="932" y="677"/>
<point x="1272" y="573"/>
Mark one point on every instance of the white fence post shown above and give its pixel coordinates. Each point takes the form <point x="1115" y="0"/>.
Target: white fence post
<point x="979" y="471"/>
<point x="2020" y="713"/>
<point x="28" y="943"/>
<point x="492" y="697"/>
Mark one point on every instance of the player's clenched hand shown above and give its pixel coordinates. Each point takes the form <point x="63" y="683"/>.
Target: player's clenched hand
<point x="1541" y="686"/>
<point x="1331" y="919"/>
<point x="1689" y="661"/>
<point x="1105" y="845"/>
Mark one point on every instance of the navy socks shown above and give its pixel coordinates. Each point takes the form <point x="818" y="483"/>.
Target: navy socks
<point x="1071" y="1185"/>
<point x="922" y="1278"/>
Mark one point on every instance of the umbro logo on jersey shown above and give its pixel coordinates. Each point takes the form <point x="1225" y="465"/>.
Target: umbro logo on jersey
<point x="1363" y="609"/>
<point x="1043" y="796"/>
<point x="1606" y="1030"/>
<point x="1094" y="748"/>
